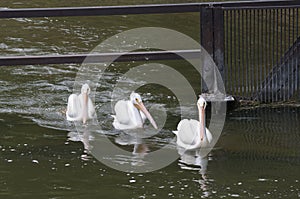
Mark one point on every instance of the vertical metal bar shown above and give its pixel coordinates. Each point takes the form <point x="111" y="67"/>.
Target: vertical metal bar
<point x="277" y="54"/>
<point x="273" y="54"/>
<point x="231" y="54"/>
<point x="269" y="32"/>
<point x="289" y="60"/>
<point x="259" y="46"/>
<point x="256" y="39"/>
<point x="257" y="51"/>
<point x="206" y="36"/>
<point x="281" y="50"/>
<point x="271" y="35"/>
<point x="225" y="49"/>
<point x="235" y="53"/>
<point x="218" y="42"/>
<point x="248" y="43"/>
<point x="240" y="45"/>
<point x="292" y="15"/>
<point x="242" y="53"/>
<point x="238" y="52"/>
<point x="297" y="60"/>
<point x="263" y="52"/>
<point x="252" y="51"/>
<point x="266" y="35"/>
<point x="285" y="90"/>
<point x="249" y="51"/>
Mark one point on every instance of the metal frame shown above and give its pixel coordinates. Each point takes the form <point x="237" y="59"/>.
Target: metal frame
<point x="212" y="35"/>
<point x="212" y="23"/>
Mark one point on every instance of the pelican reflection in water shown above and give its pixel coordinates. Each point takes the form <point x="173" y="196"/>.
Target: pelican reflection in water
<point x="80" y="107"/>
<point x="131" y="114"/>
<point x="192" y="134"/>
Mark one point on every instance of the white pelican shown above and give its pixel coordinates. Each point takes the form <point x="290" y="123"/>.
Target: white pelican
<point x="192" y="134"/>
<point x="131" y="114"/>
<point x="80" y="107"/>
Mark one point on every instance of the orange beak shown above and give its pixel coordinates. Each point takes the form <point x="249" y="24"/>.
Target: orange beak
<point x="202" y="122"/>
<point x="84" y="108"/>
<point x="142" y="108"/>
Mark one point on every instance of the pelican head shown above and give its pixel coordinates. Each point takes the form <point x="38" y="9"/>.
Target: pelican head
<point x="136" y="100"/>
<point x="201" y="103"/>
<point x="85" y="89"/>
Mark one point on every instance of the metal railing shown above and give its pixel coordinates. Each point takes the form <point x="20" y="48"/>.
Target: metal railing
<point x="262" y="52"/>
<point x="254" y="43"/>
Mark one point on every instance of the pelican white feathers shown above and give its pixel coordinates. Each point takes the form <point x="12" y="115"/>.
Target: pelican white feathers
<point x="80" y="107"/>
<point x="131" y="114"/>
<point x="192" y="134"/>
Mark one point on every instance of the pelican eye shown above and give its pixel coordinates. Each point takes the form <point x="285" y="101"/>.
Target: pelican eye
<point x="136" y="99"/>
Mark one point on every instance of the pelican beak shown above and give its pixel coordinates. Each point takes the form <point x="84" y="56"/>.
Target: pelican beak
<point x="84" y="108"/>
<point x="202" y="121"/>
<point x="142" y="108"/>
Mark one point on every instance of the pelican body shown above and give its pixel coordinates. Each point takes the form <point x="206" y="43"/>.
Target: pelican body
<point x="131" y="114"/>
<point x="80" y="107"/>
<point x="192" y="134"/>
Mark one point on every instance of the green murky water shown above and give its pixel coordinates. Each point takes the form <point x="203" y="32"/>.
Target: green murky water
<point x="43" y="156"/>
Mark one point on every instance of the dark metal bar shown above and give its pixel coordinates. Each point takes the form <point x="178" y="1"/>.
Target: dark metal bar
<point x="206" y="25"/>
<point x="206" y="35"/>
<point x="261" y="50"/>
<point x="274" y="55"/>
<point x="249" y="17"/>
<point x="254" y="4"/>
<point x="99" y="11"/>
<point x="297" y="51"/>
<point x="248" y="44"/>
<point x="218" y="41"/>
<point x="284" y="89"/>
<point x="231" y="53"/>
<point x="236" y="85"/>
<point x="254" y="51"/>
<point x="258" y="64"/>
<point x="239" y="66"/>
<point x="288" y="20"/>
<point x="277" y="53"/>
<point x="265" y="57"/>
<point x="268" y="59"/>
<point x="269" y="32"/>
<point x="138" y="9"/>
<point x="226" y="49"/>
<point x="259" y="7"/>
<point x="281" y="43"/>
<point x="292" y="12"/>
<point x="98" y="58"/>
<point x="242" y="49"/>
